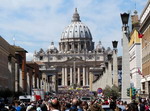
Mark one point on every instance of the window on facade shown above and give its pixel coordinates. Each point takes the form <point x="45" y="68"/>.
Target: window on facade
<point x="69" y="46"/>
<point x="90" y="57"/>
<point x="76" y="46"/>
<point x="76" y="69"/>
<point x="81" y="46"/>
<point x="143" y="85"/>
<point x="50" y="58"/>
<point x="41" y="57"/>
<point x="59" y="57"/>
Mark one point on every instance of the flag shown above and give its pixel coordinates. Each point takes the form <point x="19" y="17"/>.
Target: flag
<point x="140" y="35"/>
<point x="140" y="73"/>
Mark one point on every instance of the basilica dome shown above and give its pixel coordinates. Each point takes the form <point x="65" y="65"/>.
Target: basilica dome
<point x="76" y="29"/>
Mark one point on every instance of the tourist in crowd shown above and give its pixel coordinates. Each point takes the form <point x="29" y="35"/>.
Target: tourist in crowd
<point x="17" y="105"/>
<point x="73" y="101"/>
<point x="54" y="105"/>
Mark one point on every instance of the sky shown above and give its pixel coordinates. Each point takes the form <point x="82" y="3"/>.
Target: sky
<point x="34" y="24"/>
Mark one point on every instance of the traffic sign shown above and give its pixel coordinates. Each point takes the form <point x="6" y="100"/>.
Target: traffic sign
<point x="99" y="90"/>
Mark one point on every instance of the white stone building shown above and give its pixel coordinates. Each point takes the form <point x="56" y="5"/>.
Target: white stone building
<point x="76" y="55"/>
<point x="135" y="52"/>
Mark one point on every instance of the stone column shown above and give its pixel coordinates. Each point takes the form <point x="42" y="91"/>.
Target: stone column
<point x="66" y="78"/>
<point x="38" y="82"/>
<point x="87" y="76"/>
<point x="61" y="46"/>
<point x="71" y="78"/>
<point x="109" y="74"/>
<point x="84" y="76"/>
<point x="79" y="76"/>
<point x="28" y="83"/>
<point x="115" y="68"/>
<point x="54" y="82"/>
<point x="91" y="81"/>
<point x="20" y="80"/>
<point x="146" y="87"/>
<point x="74" y="72"/>
<point x="125" y="65"/>
<point x="66" y="46"/>
<point x="63" y="77"/>
<point x="90" y="45"/>
<point x="16" y="77"/>
<point x="78" y="47"/>
<point x="73" y="46"/>
<point x="42" y="84"/>
<point x="85" y="45"/>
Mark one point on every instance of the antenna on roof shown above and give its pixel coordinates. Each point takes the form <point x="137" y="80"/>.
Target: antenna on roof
<point x="14" y="40"/>
<point x="135" y="5"/>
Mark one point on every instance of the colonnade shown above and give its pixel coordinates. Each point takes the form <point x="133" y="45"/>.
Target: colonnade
<point x="78" y="46"/>
<point x="78" y="76"/>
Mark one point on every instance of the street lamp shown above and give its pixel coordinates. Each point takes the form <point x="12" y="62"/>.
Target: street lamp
<point x="125" y="18"/>
<point x="115" y="43"/>
<point x="125" y="57"/>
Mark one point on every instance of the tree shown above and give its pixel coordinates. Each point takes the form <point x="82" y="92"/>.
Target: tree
<point x="112" y="92"/>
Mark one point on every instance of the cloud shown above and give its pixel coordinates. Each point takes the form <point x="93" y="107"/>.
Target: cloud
<point x="35" y="23"/>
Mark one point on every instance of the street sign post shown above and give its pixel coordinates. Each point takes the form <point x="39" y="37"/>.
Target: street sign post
<point x="99" y="90"/>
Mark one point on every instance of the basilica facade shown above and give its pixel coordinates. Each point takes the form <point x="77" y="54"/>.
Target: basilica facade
<point x="75" y="56"/>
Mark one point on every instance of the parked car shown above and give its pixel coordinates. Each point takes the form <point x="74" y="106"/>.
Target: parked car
<point x="86" y="98"/>
<point x="107" y="107"/>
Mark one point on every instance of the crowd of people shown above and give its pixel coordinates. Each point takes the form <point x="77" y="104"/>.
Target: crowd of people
<point x="71" y="101"/>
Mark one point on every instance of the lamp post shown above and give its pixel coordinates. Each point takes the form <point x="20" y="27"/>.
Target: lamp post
<point x="115" y="63"/>
<point x="115" y="43"/>
<point x="109" y="58"/>
<point x="125" y="57"/>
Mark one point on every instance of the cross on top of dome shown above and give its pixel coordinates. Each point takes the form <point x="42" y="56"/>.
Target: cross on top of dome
<point x="76" y="17"/>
